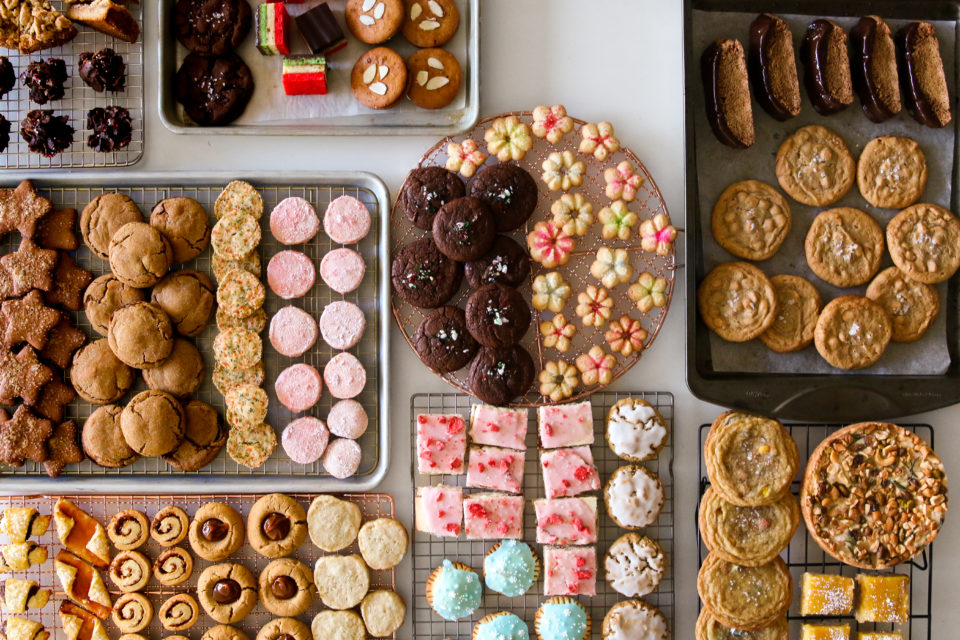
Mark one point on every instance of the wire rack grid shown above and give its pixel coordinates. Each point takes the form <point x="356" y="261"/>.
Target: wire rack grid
<point x="77" y="100"/>
<point x="803" y="554"/>
<point x="367" y="297"/>
<point x="647" y="204"/>
<point x="430" y="551"/>
<point x="372" y="506"/>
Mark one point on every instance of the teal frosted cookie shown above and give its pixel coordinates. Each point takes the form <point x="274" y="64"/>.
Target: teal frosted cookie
<point x="454" y="590"/>
<point x="501" y="625"/>
<point x="510" y="567"/>
<point x="562" y="618"/>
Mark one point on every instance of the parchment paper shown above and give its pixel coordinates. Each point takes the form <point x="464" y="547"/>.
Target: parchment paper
<point x="718" y="166"/>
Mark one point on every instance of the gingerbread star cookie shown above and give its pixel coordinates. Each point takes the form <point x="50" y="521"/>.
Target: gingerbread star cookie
<point x="28" y="320"/>
<point x="56" y="230"/>
<point x="29" y="267"/>
<point x="69" y="283"/>
<point x="22" y="375"/>
<point x="62" y="341"/>
<point x="24" y="437"/>
<point x="53" y="396"/>
<point x="62" y="449"/>
<point x="21" y="209"/>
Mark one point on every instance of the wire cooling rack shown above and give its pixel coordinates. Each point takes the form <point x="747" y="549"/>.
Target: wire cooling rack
<point x="803" y="554"/>
<point x="372" y="506"/>
<point x="430" y="551"/>
<point x="647" y="204"/>
<point x="78" y="99"/>
<point x="367" y="297"/>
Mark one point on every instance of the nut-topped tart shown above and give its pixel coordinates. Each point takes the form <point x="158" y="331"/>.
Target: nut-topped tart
<point x="874" y="495"/>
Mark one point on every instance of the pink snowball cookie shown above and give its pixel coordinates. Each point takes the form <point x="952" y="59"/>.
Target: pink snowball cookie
<point x="342" y="269"/>
<point x="344" y="376"/>
<point x="294" y="221"/>
<point x="346" y="220"/>
<point x="292" y="331"/>
<point x="342" y="458"/>
<point x="290" y="274"/>
<point x="347" y="419"/>
<point x="305" y="439"/>
<point x="298" y="387"/>
<point x="342" y="324"/>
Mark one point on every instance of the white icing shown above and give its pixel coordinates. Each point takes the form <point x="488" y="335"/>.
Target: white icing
<point x="634" y="567"/>
<point x="634" y="497"/>
<point x="635" y="623"/>
<point x="636" y="431"/>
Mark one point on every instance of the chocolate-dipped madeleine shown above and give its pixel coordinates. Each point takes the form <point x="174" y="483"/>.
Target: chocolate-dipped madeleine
<point x="922" y="78"/>
<point x="874" y="68"/>
<point x="773" y="66"/>
<point x="726" y="89"/>
<point x="826" y="67"/>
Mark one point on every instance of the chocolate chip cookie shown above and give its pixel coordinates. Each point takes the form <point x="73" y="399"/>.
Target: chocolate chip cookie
<point x="185" y="225"/>
<point x="152" y="423"/>
<point x="464" y="229"/>
<point x="815" y="167"/>
<point x="204" y="436"/>
<point x="892" y="172"/>
<point x="737" y="301"/>
<point x="844" y="246"/>
<point x="105" y="295"/>
<point x="443" y="341"/>
<point x="798" y="307"/>
<point x="211" y="27"/>
<point x="852" y="332"/>
<point x="102" y="439"/>
<point x="912" y="306"/>
<point x="101" y="218"/>
<point x="924" y="243"/>
<point x="506" y="262"/>
<point x="497" y="315"/>
<point x="141" y="335"/>
<point x="498" y="375"/>
<point x="216" y="531"/>
<point x="227" y="592"/>
<point x="188" y="298"/>
<point x="214" y="90"/>
<point x="425" y="190"/>
<point x="751" y="220"/>
<point x="423" y="276"/>
<point x="510" y="191"/>
<point x="181" y="373"/>
<point x="139" y="254"/>
<point x="98" y="376"/>
<point x="286" y="587"/>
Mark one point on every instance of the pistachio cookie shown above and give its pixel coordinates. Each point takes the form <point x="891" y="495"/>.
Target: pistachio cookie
<point x="892" y="172"/>
<point x="216" y="531"/>
<point x="798" y="307"/>
<point x="747" y="598"/>
<point x="852" y="332"/>
<point x="924" y="243"/>
<point x="912" y="306"/>
<point x="227" y="592"/>
<point x="844" y="246"/>
<point x="737" y="301"/>
<point x="749" y="536"/>
<point x="814" y="166"/>
<point x="276" y="525"/>
<point x="286" y="587"/>
<point x="751" y="220"/>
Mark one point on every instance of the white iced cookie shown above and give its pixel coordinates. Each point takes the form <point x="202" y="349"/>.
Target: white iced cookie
<point x="634" y="497"/>
<point x="634" y="565"/>
<point x="635" y="620"/>
<point x="635" y="430"/>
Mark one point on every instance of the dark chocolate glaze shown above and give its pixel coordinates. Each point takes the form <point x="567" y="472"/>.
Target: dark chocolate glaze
<point x="863" y="39"/>
<point x="813" y="52"/>
<point x="320" y="30"/>
<point x="918" y="104"/>
<point x="709" y="68"/>
<point x="758" y="60"/>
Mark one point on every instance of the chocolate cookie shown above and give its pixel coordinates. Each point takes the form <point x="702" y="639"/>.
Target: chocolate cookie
<point x="103" y="441"/>
<point x="105" y="295"/>
<point x="497" y="315"/>
<point x="185" y="225"/>
<point x="443" y="342"/>
<point x="506" y="262"/>
<point x="204" y="436"/>
<point x="187" y="297"/>
<point x="216" y="531"/>
<point x="286" y="587"/>
<point x="276" y="526"/>
<point x="98" y="376"/>
<point x="373" y="21"/>
<point x="425" y="190"/>
<point x="510" y="191"/>
<point x="379" y="78"/>
<point x="141" y="335"/>
<point x="211" y="27"/>
<point x="181" y="373"/>
<point x="423" y="276"/>
<point x="497" y="376"/>
<point x="101" y="218"/>
<point x="139" y="255"/>
<point x="227" y="592"/>
<point x="464" y="229"/>
<point x="214" y="90"/>
<point x="152" y="423"/>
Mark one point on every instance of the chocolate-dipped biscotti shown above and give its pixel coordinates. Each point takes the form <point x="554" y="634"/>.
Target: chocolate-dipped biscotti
<point x="726" y="89"/>
<point x="826" y="67"/>
<point x="874" y="68"/>
<point x="922" y="79"/>
<point x="773" y="67"/>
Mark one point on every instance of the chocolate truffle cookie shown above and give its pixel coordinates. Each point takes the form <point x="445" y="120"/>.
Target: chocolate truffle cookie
<point x="186" y="296"/>
<point x="181" y="373"/>
<point x="152" y="423"/>
<point x="102" y="439"/>
<point x="443" y="341"/>
<point x="424" y="277"/>
<point x="214" y="90"/>
<point x="286" y="587"/>
<point x="204" y="436"/>
<point x="426" y="190"/>
<point x="510" y="191"/>
<point x="216" y="531"/>
<point x="227" y="592"/>
<point x="98" y="376"/>
<point x="105" y="295"/>
<point x="101" y="218"/>
<point x="497" y="376"/>
<point x="141" y="335"/>
<point x="506" y="262"/>
<point x="211" y="27"/>
<point x="276" y="526"/>
<point x="464" y="229"/>
<point x="185" y="225"/>
<point x="139" y="255"/>
<point x="497" y="315"/>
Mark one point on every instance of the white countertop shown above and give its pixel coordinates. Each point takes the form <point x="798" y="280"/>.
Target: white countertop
<point x="604" y="59"/>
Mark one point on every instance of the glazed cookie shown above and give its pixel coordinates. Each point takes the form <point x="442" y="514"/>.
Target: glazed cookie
<point x="497" y="315"/>
<point x="506" y="262"/>
<point x="216" y="531"/>
<point x="430" y="23"/>
<point x="203" y="437"/>
<point x="173" y="566"/>
<point x="179" y="613"/>
<point x="252" y="447"/>
<point x="227" y="592"/>
<point x="239" y="197"/>
<point x="276" y="526"/>
<point x="100" y="219"/>
<point x="180" y="374"/>
<point x="636" y="431"/>
<point x="105" y="295"/>
<point x="228" y="72"/>
<point x="425" y="190"/>
<point x="814" y="166"/>
<point x="341" y="581"/>
<point x="333" y="523"/>
<point x="187" y="297"/>
<point x="510" y="191"/>
<point x="892" y="172"/>
<point x="751" y="220"/>
<point x="383" y="543"/>
<point x="634" y="565"/>
<point x="383" y="612"/>
<point x="912" y="306"/>
<point x="152" y="423"/>
<point x="709" y="628"/>
<point x="751" y="460"/>
<point x="286" y="587"/>
<point x="141" y="335"/>
<point x="285" y="629"/>
<point x="211" y="27"/>
<point x="747" y="598"/>
<point x="852" y="332"/>
<point x="443" y="341"/>
<point x="637" y="619"/>
<point x="130" y="570"/>
<point x="748" y="536"/>
<point x="464" y="229"/>
<point x="737" y="301"/>
<point x="235" y="237"/>
<point x="237" y="349"/>
<point x="498" y="375"/>
<point x="183" y="222"/>
<point x="128" y="529"/>
<point x="844" y="246"/>
<point x="433" y="78"/>
<point x="169" y="526"/>
<point x="379" y="77"/>
<point x="924" y="243"/>
<point x="139" y="254"/>
<point x="103" y="441"/>
<point x="373" y="21"/>
<point x="633" y="496"/>
<point x="798" y="307"/>
<point x="422" y="276"/>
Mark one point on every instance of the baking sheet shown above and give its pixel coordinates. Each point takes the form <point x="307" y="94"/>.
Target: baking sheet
<point x="927" y="356"/>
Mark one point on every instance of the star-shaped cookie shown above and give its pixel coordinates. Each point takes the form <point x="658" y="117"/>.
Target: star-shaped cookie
<point x="69" y="282"/>
<point x="24" y="437"/>
<point x="21" y="209"/>
<point x="62" y="448"/>
<point x="22" y="375"/>
<point x="56" y="230"/>
<point x="53" y="396"/>
<point x="28" y="320"/>
<point x="62" y="341"/>
<point x="29" y="267"/>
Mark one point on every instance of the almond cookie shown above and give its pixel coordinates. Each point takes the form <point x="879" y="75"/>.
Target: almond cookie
<point x="433" y="78"/>
<point x="709" y="628"/>
<point x="341" y="581"/>
<point x="430" y="23"/>
<point x="333" y="523"/>
<point x="216" y="531"/>
<point x="844" y="246"/>
<point x="748" y="536"/>
<point x="814" y="166"/>
<point x="912" y="306"/>
<point x="737" y="301"/>
<point x="227" y="592"/>
<point x="924" y="242"/>
<point x="751" y="220"/>
<point x="373" y="21"/>
<point x="747" y="598"/>
<point x="276" y="526"/>
<point x="286" y="587"/>
<point x="852" y="332"/>
<point x="798" y="307"/>
<point x="379" y="77"/>
<point x="751" y="460"/>
<point x="892" y="172"/>
<point x="383" y="543"/>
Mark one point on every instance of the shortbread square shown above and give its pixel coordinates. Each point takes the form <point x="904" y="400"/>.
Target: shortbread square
<point x="565" y="425"/>
<point x="569" y="571"/>
<point x="498" y="426"/>
<point x="441" y="444"/>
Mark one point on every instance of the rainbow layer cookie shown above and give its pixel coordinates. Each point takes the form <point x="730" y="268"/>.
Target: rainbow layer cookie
<point x="439" y="510"/>
<point x="568" y="472"/>
<point x="566" y="425"/>
<point x="566" y="520"/>
<point x="569" y="571"/>
<point x="492" y="516"/>
<point x="273" y="28"/>
<point x="495" y="468"/>
<point x="304" y="75"/>
<point x="498" y="426"/>
<point x="441" y="444"/>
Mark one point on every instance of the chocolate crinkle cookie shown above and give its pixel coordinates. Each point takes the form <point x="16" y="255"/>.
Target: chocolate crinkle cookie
<point x="46" y="133"/>
<point x="45" y="79"/>
<point x="103" y="70"/>
<point x="8" y="78"/>
<point x="111" y="128"/>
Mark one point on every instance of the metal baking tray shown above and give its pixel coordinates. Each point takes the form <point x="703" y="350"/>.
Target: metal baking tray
<point x="803" y="554"/>
<point x="799" y="396"/>
<point x="439" y="122"/>
<point x="430" y="551"/>
<point x="153" y="475"/>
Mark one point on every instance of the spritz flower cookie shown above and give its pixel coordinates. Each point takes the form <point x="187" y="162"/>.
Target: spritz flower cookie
<point x="622" y="182"/>
<point x="598" y="140"/>
<point x="549" y="244"/>
<point x="464" y="157"/>
<point x="594" y="306"/>
<point x="561" y="171"/>
<point x="648" y="292"/>
<point x="596" y="366"/>
<point x="617" y="221"/>
<point x="551" y="123"/>
<point x="550" y="291"/>
<point x="557" y="333"/>
<point x="558" y="379"/>
<point x="657" y="235"/>
<point x="573" y="213"/>
<point x="611" y="267"/>
<point x="625" y="336"/>
<point x="508" y="138"/>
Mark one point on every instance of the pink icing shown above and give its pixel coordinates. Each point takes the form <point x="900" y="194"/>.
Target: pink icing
<point x="344" y="376"/>
<point x="342" y="269"/>
<point x="498" y="426"/>
<point x="294" y="221"/>
<point x="346" y="220"/>
<point x="495" y="468"/>
<point x="568" y="472"/>
<point x="566" y="520"/>
<point x="570" y="571"/>
<point x="566" y="425"/>
<point x="290" y="274"/>
<point x="440" y="511"/>
<point x="441" y="443"/>
<point x="493" y="516"/>
<point x="292" y="331"/>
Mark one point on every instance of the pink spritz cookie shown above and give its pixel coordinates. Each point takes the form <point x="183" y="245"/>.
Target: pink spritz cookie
<point x="294" y="221"/>
<point x="305" y="439"/>
<point x="346" y="220"/>
<point x="298" y="387"/>
<point x="342" y="458"/>
<point x="347" y="419"/>
<point x="342" y="324"/>
<point x="344" y="376"/>
<point x="290" y="274"/>
<point x="342" y="269"/>
<point x="292" y="331"/>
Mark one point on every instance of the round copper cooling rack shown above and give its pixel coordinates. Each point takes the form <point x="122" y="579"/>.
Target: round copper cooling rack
<point x="646" y="205"/>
